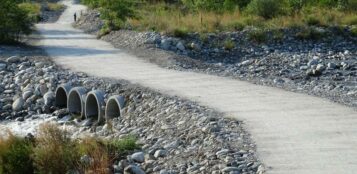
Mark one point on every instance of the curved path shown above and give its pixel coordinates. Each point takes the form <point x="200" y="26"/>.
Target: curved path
<point x="294" y="133"/>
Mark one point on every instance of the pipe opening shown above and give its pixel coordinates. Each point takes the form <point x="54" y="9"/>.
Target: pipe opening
<point x="114" y="107"/>
<point x="112" y="110"/>
<point x="61" y="98"/>
<point x="92" y="107"/>
<point x="74" y="103"/>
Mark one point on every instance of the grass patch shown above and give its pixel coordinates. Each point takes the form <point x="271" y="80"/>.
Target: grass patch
<point x="229" y="44"/>
<point x="53" y="151"/>
<point x="257" y="35"/>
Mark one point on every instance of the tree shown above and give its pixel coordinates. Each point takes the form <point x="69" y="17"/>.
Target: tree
<point x="14" y="22"/>
<point x="116" y="12"/>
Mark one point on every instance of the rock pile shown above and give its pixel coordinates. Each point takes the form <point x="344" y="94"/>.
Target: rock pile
<point x="177" y="136"/>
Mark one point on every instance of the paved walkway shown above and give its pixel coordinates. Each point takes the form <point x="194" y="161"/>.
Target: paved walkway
<point x="294" y="133"/>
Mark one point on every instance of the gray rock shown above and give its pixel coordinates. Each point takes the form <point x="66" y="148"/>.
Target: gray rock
<point x="13" y="59"/>
<point x="26" y="94"/>
<point x="160" y="153"/>
<point x="49" y="98"/>
<point x="138" y="157"/>
<point x="2" y="66"/>
<point x="331" y="66"/>
<point x="18" y="104"/>
<point x="132" y="169"/>
<point x="180" y="46"/>
<point x="320" y="67"/>
<point x="165" y="44"/>
<point x="230" y="169"/>
<point x="313" y="62"/>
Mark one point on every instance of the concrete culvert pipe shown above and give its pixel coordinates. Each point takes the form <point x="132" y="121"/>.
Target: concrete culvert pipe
<point x="62" y="92"/>
<point x="75" y="102"/>
<point x="114" y="107"/>
<point x="95" y="105"/>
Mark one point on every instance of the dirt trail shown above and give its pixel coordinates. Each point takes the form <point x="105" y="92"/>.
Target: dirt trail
<point x="294" y="133"/>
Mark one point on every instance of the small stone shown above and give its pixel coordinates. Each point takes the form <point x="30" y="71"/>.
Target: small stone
<point x="230" y="169"/>
<point x="138" y="157"/>
<point x="2" y="66"/>
<point x="160" y="153"/>
<point x="27" y="94"/>
<point x="320" y="67"/>
<point x="132" y="169"/>
<point x="180" y="46"/>
<point x="18" y="104"/>
<point x="13" y="59"/>
<point x="49" y="98"/>
<point x="313" y="62"/>
<point x="331" y="66"/>
<point x="19" y="119"/>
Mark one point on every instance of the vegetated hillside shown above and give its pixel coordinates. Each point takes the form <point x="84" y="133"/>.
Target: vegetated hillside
<point x="18" y="16"/>
<point x="181" y="16"/>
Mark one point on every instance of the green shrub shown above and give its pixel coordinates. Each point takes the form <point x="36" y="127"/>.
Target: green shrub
<point x="116" y="12"/>
<point x="257" y="35"/>
<point x="14" y="22"/>
<point x="266" y="8"/>
<point x="228" y="44"/>
<point x="179" y="32"/>
<point x="15" y="155"/>
<point x="54" y="6"/>
<point x="351" y="20"/>
<point x="237" y="26"/>
<point x="309" y="34"/>
<point x="123" y="146"/>
<point x="33" y="10"/>
<point x="354" y="32"/>
<point x="312" y="21"/>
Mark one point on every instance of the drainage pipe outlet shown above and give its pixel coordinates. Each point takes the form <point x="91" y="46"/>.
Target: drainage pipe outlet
<point x="115" y="104"/>
<point x="76" y="99"/>
<point x="95" y="105"/>
<point x="62" y="92"/>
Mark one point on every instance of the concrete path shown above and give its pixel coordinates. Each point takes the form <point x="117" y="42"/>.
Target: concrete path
<point x="294" y="133"/>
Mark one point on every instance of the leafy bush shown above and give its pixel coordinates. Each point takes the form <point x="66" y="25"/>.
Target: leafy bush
<point x="54" y="6"/>
<point x="33" y="10"/>
<point x="311" y="20"/>
<point x="266" y="8"/>
<point x="228" y="44"/>
<point x="15" y="155"/>
<point x="309" y="33"/>
<point x="257" y="35"/>
<point x="116" y="12"/>
<point x="123" y="146"/>
<point x="179" y="32"/>
<point x="14" y="22"/>
<point x="354" y="31"/>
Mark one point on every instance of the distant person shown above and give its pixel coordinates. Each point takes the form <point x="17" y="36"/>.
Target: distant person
<point x="75" y="17"/>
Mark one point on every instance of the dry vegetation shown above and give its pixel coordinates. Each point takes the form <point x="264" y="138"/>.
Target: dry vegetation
<point x="53" y="151"/>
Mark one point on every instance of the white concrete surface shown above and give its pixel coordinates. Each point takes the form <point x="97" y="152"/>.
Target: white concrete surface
<point x="294" y="133"/>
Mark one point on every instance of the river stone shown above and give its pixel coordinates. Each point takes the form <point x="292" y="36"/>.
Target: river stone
<point x="2" y="66"/>
<point x="18" y="104"/>
<point x="180" y="46"/>
<point x="49" y="98"/>
<point x="13" y="59"/>
<point x="138" y="157"/>
<point x="132" y="169"/>
<point x="160" y="153"/>
<point x="26" y="94"/>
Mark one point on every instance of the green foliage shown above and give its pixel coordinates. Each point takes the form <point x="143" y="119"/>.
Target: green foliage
<point x="33" y="10"/>
<point x="237" y="26"/>
<point x="354" y="32"/>
<point x="257" y="35"/>
<point x="116" y="12"/>
<point x="312" y="21"/>
<point x="91" y="3"/>
<point x="14" y="22"/>
<point x="266" y="8"/>
<point x="180" y="32"/>
<point x="123" y="146"/>
<point x="309" y="33"/>
<point x="15" y="155"/>
<point x="228" y="44"/>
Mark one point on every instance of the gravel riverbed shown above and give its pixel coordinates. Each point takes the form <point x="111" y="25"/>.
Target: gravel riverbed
<point x="324" y="67"/>
<point x="177" y="136"/>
